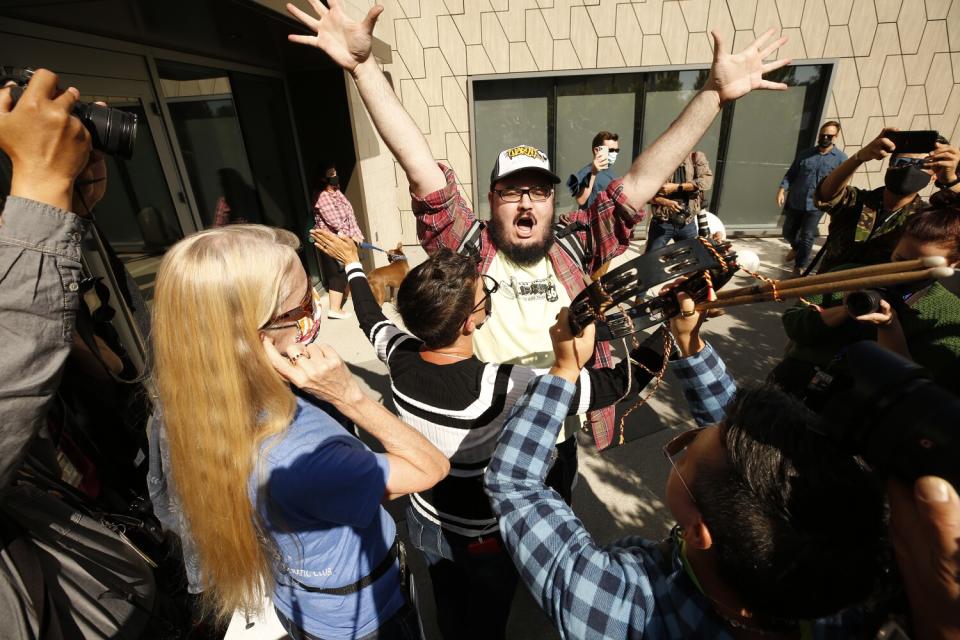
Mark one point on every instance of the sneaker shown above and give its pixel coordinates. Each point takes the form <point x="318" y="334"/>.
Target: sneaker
<point x="338" y="315"/>
<point x="790" y="256"/>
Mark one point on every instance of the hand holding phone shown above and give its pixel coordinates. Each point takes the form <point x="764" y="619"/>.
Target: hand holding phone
<point x="913" y="141"/>
<point x="600" y="159"/>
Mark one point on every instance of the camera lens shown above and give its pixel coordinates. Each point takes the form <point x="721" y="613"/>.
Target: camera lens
<point x="111" y="130"/>
<point x="860" y="303"/>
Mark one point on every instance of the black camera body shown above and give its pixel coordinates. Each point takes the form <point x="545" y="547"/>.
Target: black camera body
<point x="112" y="131"/>
<point x="886" y="409"/>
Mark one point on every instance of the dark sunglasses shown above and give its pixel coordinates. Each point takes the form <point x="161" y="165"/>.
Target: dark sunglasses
<point x="490" y="287"/>
<point x="675" y="446"/>
<point x="899" y="162"/>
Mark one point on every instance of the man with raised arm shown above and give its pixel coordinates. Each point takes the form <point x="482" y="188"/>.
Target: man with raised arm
<point x="538" y="276"/>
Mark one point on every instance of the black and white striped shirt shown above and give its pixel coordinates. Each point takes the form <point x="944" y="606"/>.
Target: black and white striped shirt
<point x="461" y="408"/>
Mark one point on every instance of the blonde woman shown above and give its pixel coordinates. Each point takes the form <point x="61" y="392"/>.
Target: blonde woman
<point x="275" y="491"/>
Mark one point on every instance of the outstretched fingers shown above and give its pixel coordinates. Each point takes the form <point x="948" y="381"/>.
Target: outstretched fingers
<point x="718" y="48"/>
<point x="320" y="8"/>
<point x="308" y="21"/>
<point x="370" y="21"/>
<point x="770" y="48"/>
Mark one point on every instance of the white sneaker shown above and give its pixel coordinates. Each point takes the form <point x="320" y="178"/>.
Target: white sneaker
<point x="338" y="315"/>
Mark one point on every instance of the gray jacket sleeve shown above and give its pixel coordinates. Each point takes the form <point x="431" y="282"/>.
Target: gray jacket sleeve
<point x="40" y="276"/>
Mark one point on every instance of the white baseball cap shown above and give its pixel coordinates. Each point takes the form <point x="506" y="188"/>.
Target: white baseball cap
<point x="520" y="158"/>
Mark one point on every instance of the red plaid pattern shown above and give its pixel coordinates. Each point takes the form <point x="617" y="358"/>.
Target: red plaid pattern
<point x="333" y="212"/>
<point x="443" y="219"/>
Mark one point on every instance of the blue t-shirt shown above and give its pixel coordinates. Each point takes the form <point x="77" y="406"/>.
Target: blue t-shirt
<point x="320" y="490"/>
<point x="578" y="181"/>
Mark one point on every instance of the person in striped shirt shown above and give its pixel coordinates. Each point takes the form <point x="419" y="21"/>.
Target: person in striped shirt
<point x="460" y="404"/>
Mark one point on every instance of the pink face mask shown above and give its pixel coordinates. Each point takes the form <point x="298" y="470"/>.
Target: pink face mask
<point x="309" y="326"/>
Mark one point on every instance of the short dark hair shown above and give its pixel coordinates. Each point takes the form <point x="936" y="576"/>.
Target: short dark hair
<point x="436" y="297"/>
<point x="797" y="524"/>
<point x="603" y="135"/>
<point x="938" y="225"/>
<point x="830" y="123"/>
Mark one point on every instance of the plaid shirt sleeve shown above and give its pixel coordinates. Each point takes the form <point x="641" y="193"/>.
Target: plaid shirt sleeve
<point x="706" y="385"/>
<point x="587" y="591"/>
<point x="443" y="216"/>
<point x="611" y="220"/>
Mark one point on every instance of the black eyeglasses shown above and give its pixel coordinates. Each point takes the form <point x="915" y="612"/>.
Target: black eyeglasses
<point x="490" y="287"/>
<point x="537" y="194"/>
<point x="674" y="447"/>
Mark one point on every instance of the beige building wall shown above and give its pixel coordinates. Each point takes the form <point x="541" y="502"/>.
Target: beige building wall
<point x="898" y="62"/>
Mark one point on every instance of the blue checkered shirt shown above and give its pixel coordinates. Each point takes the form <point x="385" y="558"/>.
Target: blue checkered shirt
<point x="627" y="589"/>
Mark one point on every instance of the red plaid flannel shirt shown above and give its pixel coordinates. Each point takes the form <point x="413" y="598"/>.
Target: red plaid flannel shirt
<point x="333" y="212"/>
<point x="443" y="218"/>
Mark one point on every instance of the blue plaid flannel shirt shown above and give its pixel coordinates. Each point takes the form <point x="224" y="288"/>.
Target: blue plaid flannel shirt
<point x="623" y="590"/>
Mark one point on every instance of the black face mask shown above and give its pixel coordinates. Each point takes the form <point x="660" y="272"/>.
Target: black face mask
<point x="333" y="181"/>
<point x="906" y="180"/>
<point x="824" y="141"/>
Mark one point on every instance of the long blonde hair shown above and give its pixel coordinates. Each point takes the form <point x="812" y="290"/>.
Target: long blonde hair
<point x="220" y="395"/>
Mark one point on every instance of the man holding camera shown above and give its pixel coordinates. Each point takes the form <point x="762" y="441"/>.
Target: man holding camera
<point x="677" y="203"/>
<point x="865" y="224"/>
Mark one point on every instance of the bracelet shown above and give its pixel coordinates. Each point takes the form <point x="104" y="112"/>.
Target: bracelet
<point x="947" y="185"/>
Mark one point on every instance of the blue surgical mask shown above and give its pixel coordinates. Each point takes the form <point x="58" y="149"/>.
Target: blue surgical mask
<point x="612" y="156"/>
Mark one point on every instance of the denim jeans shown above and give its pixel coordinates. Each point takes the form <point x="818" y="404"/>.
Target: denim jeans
<point x="800" y="229"/>
<point x="403" y="625"/>
<point x="662" y="232"/>
<point x="473" y="579"/>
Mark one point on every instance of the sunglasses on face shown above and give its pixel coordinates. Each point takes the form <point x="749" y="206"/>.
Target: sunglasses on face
<point x="288" y="319"/>
<point x="490" y="286"/>
<point x="897" y="163"/>
<point x="677" y="445"/>
<point x="537" y="194"/>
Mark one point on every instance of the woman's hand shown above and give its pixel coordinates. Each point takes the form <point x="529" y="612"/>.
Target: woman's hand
<point x="318" y="370"/>
<point x="337" y="247"/>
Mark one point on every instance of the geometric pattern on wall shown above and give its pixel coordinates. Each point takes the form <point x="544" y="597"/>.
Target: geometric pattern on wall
<point x="899" y="60"/>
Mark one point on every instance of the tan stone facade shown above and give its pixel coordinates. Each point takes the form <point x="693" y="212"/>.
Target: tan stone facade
<point x="898" y="63"/>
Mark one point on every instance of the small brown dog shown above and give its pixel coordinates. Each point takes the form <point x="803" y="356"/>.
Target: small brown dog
<point x="389" y="276"/>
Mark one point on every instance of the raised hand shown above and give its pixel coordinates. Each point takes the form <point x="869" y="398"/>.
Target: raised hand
<point x="346" y="41"/>
<point x="735" y="75"/>
<point x="878" y="148"/>
<point x="572" y="352"/>
<point x="337" y="247"/>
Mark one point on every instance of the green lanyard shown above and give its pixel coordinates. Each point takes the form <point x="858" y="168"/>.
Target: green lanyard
<point x="806" y="627"/>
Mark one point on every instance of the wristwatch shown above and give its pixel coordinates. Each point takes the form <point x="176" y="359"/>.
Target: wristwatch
<point x="947" y="185"/>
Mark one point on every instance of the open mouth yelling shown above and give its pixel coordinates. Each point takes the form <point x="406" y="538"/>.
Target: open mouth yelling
<point x="524" y="225"/>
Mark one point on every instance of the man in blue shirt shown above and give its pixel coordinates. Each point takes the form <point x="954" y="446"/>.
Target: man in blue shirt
<point x="776" y="527"/>
<point x="801" y="216"/>
<point x="594" y="177"/>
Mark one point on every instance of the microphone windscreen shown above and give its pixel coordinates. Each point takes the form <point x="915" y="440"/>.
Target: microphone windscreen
<point x="748" y="260"/>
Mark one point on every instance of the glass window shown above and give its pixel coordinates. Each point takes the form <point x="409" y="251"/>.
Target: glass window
<point x="586" y="106"/>
<point x="507" y="113"/>
<point x="767" y="130"/>
<point x="668" y="92"/>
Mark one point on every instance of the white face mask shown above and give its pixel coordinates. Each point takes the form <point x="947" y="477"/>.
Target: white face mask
<point x="612" y="157"/>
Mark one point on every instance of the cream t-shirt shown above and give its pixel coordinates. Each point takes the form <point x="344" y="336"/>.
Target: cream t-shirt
<point x="523" y="310"/>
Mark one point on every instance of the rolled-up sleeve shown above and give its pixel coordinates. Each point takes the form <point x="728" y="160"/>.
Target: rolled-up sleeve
<point x="443" y="216"/>
<point x="40" y="274"/>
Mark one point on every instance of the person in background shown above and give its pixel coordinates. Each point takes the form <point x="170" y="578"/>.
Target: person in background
<point x="333" y="212"/>
<point x="795" y="196"/>
<point x="918" y="320"/>
<point x="677" y="203"/>
<point x="595" y="177"/>
<point x="865" y="224"/>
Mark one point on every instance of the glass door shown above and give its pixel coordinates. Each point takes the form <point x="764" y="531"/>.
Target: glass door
<point x="144" y="211"/>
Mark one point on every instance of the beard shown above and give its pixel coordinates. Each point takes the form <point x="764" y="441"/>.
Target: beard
<point x="523" y="255"/>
